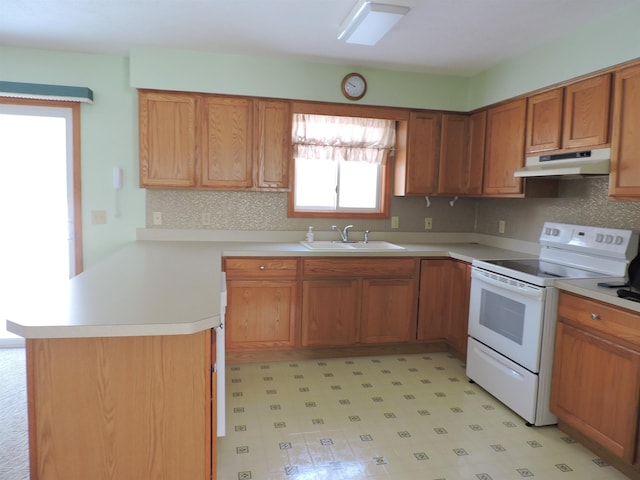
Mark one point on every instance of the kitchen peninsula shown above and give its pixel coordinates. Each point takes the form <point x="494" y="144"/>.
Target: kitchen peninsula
<point x="119" y="372"/>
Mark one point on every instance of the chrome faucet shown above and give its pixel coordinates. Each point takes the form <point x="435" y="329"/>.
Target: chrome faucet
<point x="344" y="233"/>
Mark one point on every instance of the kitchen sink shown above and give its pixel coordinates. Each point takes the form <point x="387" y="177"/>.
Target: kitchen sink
<point x="373" y="246"/>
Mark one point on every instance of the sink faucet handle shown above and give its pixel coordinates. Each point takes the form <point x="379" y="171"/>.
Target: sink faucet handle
<point x="366" y="236"/>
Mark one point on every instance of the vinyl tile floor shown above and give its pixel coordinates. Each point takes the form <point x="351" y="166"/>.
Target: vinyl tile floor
<point x="385" y="417"/>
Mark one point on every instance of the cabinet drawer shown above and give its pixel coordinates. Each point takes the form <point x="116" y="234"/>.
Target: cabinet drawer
<point x="613" y="322"/>
<point x="362" y="267"/>
<point x="260" y="267"/>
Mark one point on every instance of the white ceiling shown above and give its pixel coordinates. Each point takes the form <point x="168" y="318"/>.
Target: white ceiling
<point x="440" y="36"/>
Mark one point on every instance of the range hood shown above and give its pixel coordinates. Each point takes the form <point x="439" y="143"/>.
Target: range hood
<point x="576" y="164"/>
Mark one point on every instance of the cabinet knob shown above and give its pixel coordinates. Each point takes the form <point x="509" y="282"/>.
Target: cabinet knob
<point x="262" y="267"/>
<point x="595" y="316"/>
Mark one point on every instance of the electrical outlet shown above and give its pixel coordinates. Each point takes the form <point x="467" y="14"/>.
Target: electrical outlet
<point x="206" y="218"/>
<point x="501" y="226"/>
<point x="395" y="222"/>
<point x="428" y="223"/>
<point x="157" y="218"/>
<point x="98" y="217"/>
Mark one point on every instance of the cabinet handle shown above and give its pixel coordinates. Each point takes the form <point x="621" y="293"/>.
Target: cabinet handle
<point x="262" y="267"/>
<point x="595" y="316"/>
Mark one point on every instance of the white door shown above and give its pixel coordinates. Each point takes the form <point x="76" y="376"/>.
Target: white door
<point x="36" y="201"/>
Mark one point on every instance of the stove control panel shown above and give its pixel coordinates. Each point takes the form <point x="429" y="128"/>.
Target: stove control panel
<point x="607" y="242"/>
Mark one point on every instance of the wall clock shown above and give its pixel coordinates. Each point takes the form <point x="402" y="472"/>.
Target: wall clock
<point x="354" y="86"/>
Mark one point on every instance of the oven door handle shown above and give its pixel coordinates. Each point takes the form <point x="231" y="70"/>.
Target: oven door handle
<point x="529" y="290"/>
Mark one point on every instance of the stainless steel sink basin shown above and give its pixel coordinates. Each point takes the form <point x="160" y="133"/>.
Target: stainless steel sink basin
<point x="373" y="246"/>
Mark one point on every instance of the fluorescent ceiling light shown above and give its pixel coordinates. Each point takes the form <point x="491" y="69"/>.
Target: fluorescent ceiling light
<point x="368" y="22"/>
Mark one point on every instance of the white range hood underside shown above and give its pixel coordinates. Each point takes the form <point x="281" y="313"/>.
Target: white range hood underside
<point x="596" y="164"/>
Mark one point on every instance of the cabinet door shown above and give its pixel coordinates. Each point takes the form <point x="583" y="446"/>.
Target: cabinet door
<point x="330" y="312"/>
<point x="388" y="310"/>
<point x="417" y="168"/>
<point x="459" y="307"/>
<point x="273" y="144"/>
<point x="475" y="164"/>
<point x="544" y="121"/>
<point x="624" y="181"/>
<point x="168" y="137"/>
<point x="261" y="314"/>
<point x="595" y="389"/>
<point x="435" y="299"/>
<point x="504" y="150"/>
<point x="227" y="153"/>
<point x="454" y="169"/>
<point x="586" y="113"/>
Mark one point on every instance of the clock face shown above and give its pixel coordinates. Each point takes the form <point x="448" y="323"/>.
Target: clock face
<point x="354" y="86"/>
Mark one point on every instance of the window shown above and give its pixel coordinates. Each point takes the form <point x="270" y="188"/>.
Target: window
<point x="340" y="165"/>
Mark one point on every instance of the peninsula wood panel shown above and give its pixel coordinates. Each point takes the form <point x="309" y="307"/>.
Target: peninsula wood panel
<point x="624" y="181"/>
<point x="120" y="407"/>
<point x="168" y="139"/>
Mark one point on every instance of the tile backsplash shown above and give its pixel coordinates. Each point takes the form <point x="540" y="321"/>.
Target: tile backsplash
<point x="581" y="201"/>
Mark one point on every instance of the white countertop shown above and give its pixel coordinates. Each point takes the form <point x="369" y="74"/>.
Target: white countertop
<point x="145" y="288"/>
<point x="173" y="287"/>
<point x="589" y="288"/>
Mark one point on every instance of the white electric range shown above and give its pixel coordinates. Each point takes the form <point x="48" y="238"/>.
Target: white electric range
<point x="513" y="311"/>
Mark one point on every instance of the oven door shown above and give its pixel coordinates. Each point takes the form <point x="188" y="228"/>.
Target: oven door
<point x="507" y="315"/>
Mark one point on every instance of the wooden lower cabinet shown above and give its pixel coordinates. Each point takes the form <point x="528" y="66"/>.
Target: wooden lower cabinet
<point x="261" y="303"/>
<point x="388" y="310"/>
<point x="330" y="312"/>
<point x="358" y="301"/>
<point x="596" y="380"/>
<point x="121" y="407"/>
<point x="444" y="302"/>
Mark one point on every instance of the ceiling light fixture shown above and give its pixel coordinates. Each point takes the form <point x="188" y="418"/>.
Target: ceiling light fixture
<point x="368" y="22"/>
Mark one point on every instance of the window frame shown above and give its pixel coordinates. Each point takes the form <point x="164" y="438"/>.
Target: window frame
<point x="76" y="187"/>
<point x="387" y="113"/>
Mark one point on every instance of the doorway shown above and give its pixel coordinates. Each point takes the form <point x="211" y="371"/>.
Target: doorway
<point x="39" y="197"/>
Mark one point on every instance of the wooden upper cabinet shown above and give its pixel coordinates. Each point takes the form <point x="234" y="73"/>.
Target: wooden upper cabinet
<point x="416" y="165"/>
<point x="544" y="121"/>
<point x="569" y="118"/>
<point x="168" y="139"/>
<point x="454" y="159"/>
<point x="475" y="164"/>
<point x="624" y="181"/>
<point x="273" y="144"/>
<point x="227" y="153"/>
<point x="586" y="113"/>
<point x="198" y="141"/>
<point x="504" y="149"/>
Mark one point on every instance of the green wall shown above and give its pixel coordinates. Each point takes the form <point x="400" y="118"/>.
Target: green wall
<point x="269" y="77"/>
<point x="109" y="125"/>
<point x="108" y="137"/>
<point x="609" y="41"/>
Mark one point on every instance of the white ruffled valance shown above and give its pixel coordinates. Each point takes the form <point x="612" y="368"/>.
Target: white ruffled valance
<point x="326" y="137"/>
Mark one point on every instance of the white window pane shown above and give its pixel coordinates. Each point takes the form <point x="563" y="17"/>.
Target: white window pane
<point x="316" y="183"/>
<point x="358" y="185"/>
